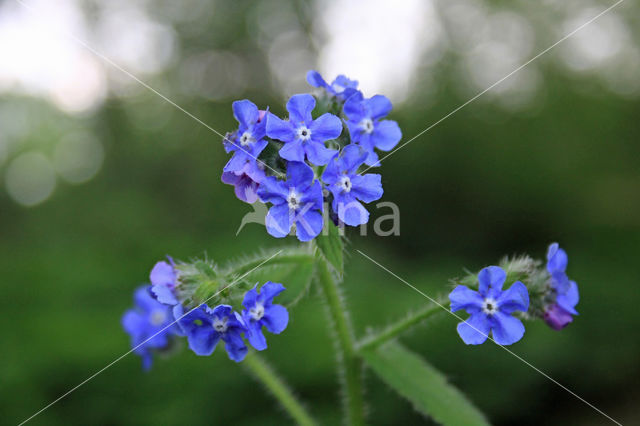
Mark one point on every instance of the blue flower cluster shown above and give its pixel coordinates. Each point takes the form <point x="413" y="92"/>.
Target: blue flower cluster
<point x="493" y="310"/>
<point x="300" y="163"/>
<point x="159" y="317"/>
<point x="559" y="313"/>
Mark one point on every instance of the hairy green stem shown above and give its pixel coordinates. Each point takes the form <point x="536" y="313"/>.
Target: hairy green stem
<point x="261" y="371"/>
<point x="352" y="364"/>
<point x="281" y="259"/>
<point x="393" y="330"/>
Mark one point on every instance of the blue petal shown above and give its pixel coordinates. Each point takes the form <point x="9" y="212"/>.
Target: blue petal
<point x="559" y="281"/>
<point x="463" y="297"/>
<point x="247" y="190"/>
<point x="237" y="161"/>
<point x="386" y="135"/>
<point x="276" y="318"/>
<point x="187" y="322"/>
<point x="315" y="79"/>
<point x="351" y="158"/>
<point x="475" y="330"/>
<point x="299" y="175"/>
<point x="163" y="274"/>
<point x="325" y="127"/>
<point x="349" y="210"/>
<point x="293" y="151"/>
<point x="300" y="107"/>
<point x="367" y="187"/>
<point x="222" y="311"/>
<point x="273" y="191"/>
<point x="308" y="225"/>
<point x="203" y="340"/>
<point x="255" y="336"/>
<point x="354" y="108"/>
<point x="245" y="112"/>
<point x="516" y="298"/>
<point x="318" y="154"/>
<point x="379" y="106"/>
<point x="133" y="322"/>
<point x="279" y="220"/>
<point x="280" y="129"/>
<point x="556" y="259"/>
<point x="270" y="290"/>
<point x="506" y="329"/>
<point x="570" y="299"/>
<point x="312" y="196"/>
<point x="491" y="279"/>
<point x="236" y="349"/>
<point x="164" y="294"/>
<point x="144" y="300"/>
<point x="147" y="360"/>
<point x="332" y="171"/>
<point x="250" y="298"/>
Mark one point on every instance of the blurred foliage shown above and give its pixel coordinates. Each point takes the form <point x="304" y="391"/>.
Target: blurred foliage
<point x="484" y="183"/>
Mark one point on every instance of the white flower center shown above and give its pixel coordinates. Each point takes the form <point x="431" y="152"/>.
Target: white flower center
<point x="345" y="183"/>
<point x="489" y="306"/>
<point x="246" y="138"/>
<point x="366" y="125"/>
<point x="220" y="325"/>
<point x="293" y="200"/>
<point x="157" y="317"/>
<point x="257" y="312"/>
<point x="304" y="133"/>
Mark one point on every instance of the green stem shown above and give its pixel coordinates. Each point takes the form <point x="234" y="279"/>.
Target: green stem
<point x="352" y="364"/>
<point x="283" y="258"/>
<point x="261" y="370"/>
<point x="399" y="327"/>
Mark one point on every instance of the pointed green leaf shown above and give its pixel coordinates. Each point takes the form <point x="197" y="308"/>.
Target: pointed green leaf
<point x="426" y="387"/>
<point x="331" y="246"/>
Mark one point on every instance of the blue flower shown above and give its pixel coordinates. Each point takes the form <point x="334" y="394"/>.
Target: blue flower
<point x="341" y="87"/>
<point x="150" y="325"/>
<point x="301" y="134"/>
<point x="348" y="187"/>
<point x="491" y="308"/>
<point x="248" y="141"/>
<point x="559" y="314"/>
<point x="246" y="181"/>
<point x="205" y="327"/>
<point x="260" y="311"/>
<point x="296" y="201"/>
<point x="164" y="279"/>
<point x="366" y="127"/>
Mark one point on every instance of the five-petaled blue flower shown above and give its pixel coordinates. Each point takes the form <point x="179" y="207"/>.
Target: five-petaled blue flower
<point x="301" y="134"/>
<point x="491" y="308"/>
<point x="204" y="327"/>
<point x="341" y="87"/>
<point x="296" y="201"/>
<point x="559" y="314"/>
<point x="246" y="180"/>
<point x="366" y="127"/>
<point x="164" y="279"/>
<point x="150" y="325"/>
<point x="248" y="141"/>
<point x="260" y="311"/>
<point x="348" y="187"/>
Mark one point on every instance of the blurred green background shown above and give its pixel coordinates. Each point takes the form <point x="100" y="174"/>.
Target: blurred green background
<point x="100" y="178"/>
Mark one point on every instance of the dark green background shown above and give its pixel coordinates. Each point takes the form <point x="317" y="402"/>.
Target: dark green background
<point x="484" y="183"/>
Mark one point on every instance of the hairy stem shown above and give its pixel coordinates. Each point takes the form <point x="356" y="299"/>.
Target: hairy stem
<point x="393" y="330"/>
<point x="350" y="361"/>
<point x="284" y="258"/>
<point x="263" y="373"/>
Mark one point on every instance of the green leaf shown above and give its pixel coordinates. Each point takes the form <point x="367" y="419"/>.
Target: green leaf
<point x="331" y="247"/>
<point x="427" y="388"/>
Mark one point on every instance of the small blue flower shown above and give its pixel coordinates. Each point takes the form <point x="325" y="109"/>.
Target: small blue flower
<point x="491" y="308"/>
<point x="348" y="187"/>
<point x="559" y="314"/>
<point x="246" y="181"/>
<point x="303" y="136"/>
<point x="366" y="127"/>
<point x="296" y="201"/>
<point x="248" y="141"/>
<point x="150" y="325"/>
<point x="164" y="279"/>
<point x="260" y="311"/>
<point x="341" y="87"/>
<point x="205" y="327"/>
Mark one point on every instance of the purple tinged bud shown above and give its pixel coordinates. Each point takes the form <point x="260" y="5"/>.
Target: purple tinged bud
<point x="556" y="317"/>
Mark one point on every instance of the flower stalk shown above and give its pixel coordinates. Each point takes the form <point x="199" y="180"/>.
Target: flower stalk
<point x="265" y="374"/>
<point x="348" y="356"/>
